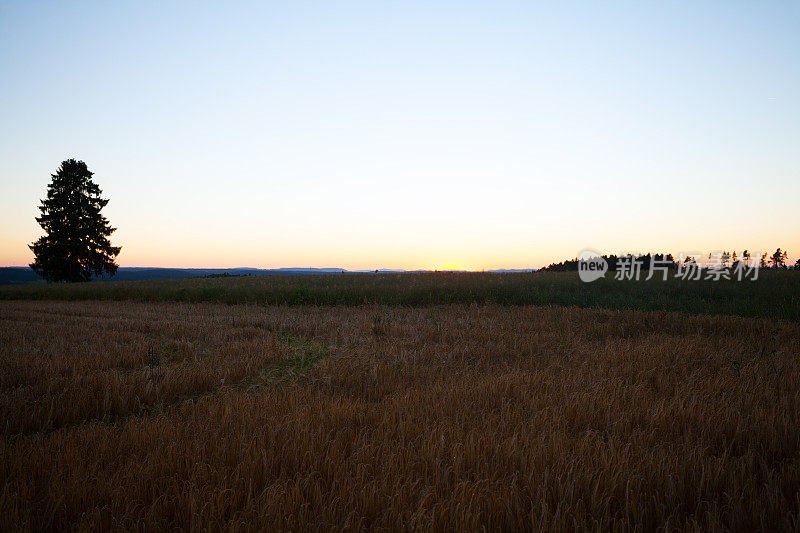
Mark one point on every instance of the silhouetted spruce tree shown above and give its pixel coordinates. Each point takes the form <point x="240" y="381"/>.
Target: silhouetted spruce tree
<point x="779" y="258"/>
<point x="75" y="245"/>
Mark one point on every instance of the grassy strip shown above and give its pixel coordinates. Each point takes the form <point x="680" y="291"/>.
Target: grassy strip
<point x="776" y="294"/>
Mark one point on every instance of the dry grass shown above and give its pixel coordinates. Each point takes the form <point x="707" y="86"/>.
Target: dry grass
<point x="154" y="415"/>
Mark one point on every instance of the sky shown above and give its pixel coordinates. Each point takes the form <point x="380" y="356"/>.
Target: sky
<point x="361" y="135"/>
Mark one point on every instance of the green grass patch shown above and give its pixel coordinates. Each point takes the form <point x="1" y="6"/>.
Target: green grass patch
<point x="299" y="356"/>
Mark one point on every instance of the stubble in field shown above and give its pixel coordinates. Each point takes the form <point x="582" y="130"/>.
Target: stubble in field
<point x="121" y="414"/>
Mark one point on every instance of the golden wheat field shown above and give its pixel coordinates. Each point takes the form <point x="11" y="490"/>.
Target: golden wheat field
<point x="123" y="415"/>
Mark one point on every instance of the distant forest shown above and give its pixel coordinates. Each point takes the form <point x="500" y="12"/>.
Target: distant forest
<point x="720" y="260"/>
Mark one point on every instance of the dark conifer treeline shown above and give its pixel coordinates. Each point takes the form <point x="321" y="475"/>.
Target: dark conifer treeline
<point x="777" y="260"/>
<point x="646" y="261"/>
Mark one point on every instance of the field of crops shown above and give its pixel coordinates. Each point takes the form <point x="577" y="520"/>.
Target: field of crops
<point x="776" y="294"/>
<point x="154" y="414"/>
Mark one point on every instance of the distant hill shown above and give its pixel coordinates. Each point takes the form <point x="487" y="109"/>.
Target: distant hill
<point x="13" y="275"/>
<point x="16" y="275"/>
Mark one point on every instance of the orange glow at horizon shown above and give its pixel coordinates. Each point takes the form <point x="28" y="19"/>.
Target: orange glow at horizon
<point x="349" y="256"/>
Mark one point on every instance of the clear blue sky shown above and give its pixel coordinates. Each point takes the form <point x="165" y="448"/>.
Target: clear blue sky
<point x="406" y="134"/>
